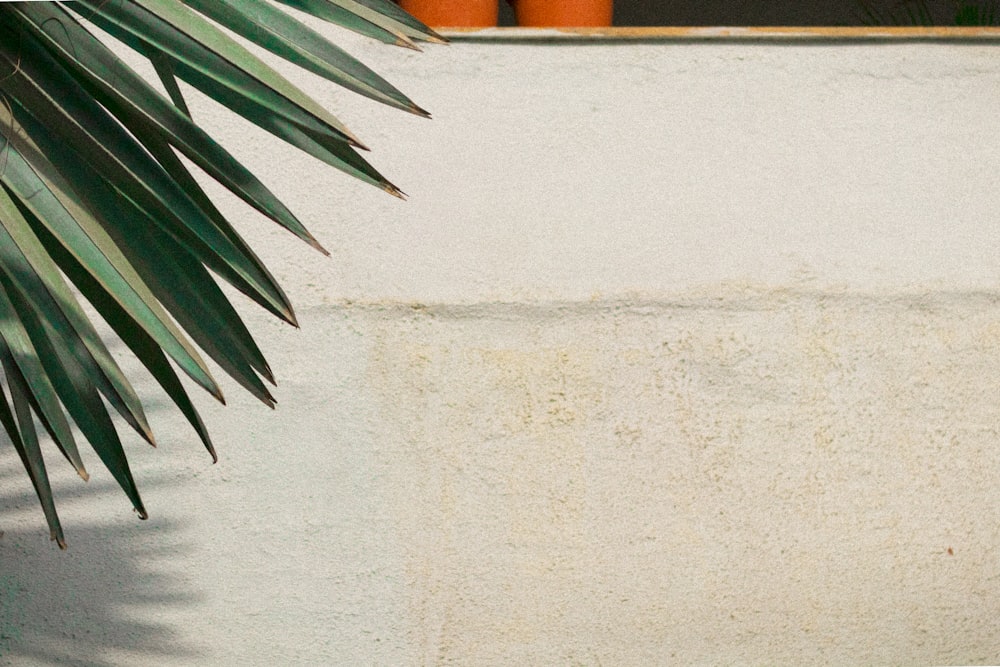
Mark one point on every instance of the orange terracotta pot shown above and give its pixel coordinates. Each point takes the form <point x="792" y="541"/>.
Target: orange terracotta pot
<point x="454" y="13"/>
<point x="563" y="13"/>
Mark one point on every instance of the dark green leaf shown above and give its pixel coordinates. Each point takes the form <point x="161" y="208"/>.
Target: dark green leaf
<point x="55" y="207"/>
<point x="75" y="119"/>
<point x="25" y="438"/>
<point x="276" y="31"/>
<point x="24" y="260"/>
<point x="168" y="27"/>
<point x="75" y="388"/>
<point x="173" y="275"/>
<point x="138" y="105"/>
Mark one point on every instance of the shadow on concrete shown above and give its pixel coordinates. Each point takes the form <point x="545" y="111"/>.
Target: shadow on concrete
<point x="105" y="601"/>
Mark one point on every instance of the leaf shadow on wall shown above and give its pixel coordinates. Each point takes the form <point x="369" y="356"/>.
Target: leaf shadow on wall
<point x="103" y="601"/>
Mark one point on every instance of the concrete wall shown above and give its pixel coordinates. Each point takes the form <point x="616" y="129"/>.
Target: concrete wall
<point x="680" y="353"/>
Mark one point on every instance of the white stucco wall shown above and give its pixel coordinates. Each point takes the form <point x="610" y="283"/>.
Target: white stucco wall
<point x="679" y="353"/>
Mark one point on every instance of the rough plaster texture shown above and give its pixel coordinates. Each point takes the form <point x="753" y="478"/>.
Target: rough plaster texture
<point x="680" y="353"/>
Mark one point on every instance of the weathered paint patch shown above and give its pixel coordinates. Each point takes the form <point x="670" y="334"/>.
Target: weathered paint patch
<point x="604" y="485"/>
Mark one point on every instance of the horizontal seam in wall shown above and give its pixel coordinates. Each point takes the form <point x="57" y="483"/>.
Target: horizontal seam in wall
<point x="776" y="300"/>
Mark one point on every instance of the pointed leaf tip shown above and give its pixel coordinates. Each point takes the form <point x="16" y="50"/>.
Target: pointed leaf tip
<point x="268" y="374"/>
<point x="394" y="191"/>
<point x="311" y="240"/>
<point x="147" y="435"/>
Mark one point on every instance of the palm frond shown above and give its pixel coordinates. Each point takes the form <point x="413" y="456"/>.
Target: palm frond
<point x="129" y="227"/>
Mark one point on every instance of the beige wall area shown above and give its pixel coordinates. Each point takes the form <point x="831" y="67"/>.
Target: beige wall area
<point x="680" y="352"/>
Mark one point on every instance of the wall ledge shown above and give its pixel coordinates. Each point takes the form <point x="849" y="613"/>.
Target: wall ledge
<point x="724" y="33"/>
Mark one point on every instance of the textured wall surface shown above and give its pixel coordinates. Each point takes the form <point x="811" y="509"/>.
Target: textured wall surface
<point x="680" y="353"/>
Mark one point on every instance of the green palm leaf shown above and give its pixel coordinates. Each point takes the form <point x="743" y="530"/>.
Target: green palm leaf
<point x="281" y="34"/>
<point x="134" y="102"/>
<point x="380" y="20"/>
<point x="130" y="227"/>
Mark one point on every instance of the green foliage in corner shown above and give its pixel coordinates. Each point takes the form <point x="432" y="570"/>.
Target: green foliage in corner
<point x="930" y="12"/>
<point x="95" y="200"/>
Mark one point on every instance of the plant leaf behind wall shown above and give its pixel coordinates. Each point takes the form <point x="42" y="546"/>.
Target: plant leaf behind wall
<point x="95" y="201"/>
<point x="930" y="12"/>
